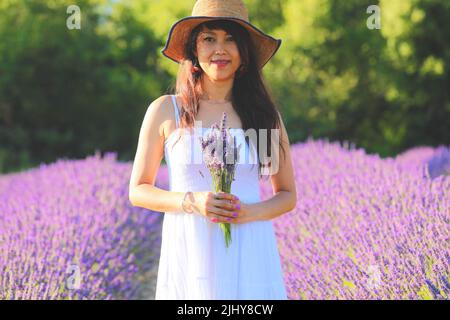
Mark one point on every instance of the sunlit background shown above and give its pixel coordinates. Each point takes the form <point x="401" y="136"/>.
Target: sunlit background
<point x="366" y="106"/>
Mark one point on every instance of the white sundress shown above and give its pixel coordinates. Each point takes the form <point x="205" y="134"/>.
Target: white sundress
<point x="194" y="261"/>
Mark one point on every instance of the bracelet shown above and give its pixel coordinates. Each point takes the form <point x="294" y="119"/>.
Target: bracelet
<point x="183" y="203"/>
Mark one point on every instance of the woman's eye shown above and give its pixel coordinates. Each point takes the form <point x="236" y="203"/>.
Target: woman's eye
<point x="230" y="39"/>
<point x="208" y="38"/>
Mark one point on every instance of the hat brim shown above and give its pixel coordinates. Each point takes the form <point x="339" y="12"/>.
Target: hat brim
<point x="265" y="45"/>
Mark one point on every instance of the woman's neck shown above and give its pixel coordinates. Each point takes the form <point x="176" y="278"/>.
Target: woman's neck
<point x="217" y="92"/>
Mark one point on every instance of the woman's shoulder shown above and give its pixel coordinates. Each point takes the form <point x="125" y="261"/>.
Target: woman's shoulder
<point x="166" y="100"/>
<point x="162" y="107"/>
<point x="161" y="101"/>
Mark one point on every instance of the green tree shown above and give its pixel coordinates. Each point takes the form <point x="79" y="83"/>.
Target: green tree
<point x="67" y="93"/>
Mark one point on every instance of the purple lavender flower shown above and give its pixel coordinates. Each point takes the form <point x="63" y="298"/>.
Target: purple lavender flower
<point x="363" y="227"/>
<point x="439" y="164"/>
<point x="217" y="147"/>
<point x="72" y="220"/>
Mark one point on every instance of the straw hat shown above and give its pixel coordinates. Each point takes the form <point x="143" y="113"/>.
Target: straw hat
<point x="206" y="10"/>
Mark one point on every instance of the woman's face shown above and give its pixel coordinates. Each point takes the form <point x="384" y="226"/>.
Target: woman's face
<point x="217" y="45"/>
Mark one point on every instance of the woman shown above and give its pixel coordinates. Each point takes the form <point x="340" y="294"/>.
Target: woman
<point x="220" y="55"/>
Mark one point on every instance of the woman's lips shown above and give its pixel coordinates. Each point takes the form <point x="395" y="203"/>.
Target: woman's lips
<point x="221" y="63"/>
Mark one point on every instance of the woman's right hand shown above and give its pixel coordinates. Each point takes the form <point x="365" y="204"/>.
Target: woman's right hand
<point x="218" y="207"/>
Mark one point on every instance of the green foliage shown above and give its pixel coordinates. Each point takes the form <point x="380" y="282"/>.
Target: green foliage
<point x="383" y="89"/>
<point x="68" y="93"/>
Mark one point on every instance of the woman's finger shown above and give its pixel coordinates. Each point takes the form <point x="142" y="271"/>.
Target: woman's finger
<point x="218" y="219"/>
<point x="218" y="212"/>
<point x="227" y="201"/>
<point x="225" y="196"/>
<point x="225" y="204"/>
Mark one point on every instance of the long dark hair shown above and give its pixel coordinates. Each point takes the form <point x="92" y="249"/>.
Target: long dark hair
<point x="251" y="99"/>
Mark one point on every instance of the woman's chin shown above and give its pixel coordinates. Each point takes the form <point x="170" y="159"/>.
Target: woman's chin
<point x="220" y="76"/>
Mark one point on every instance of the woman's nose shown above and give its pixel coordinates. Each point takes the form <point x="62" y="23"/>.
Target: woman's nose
<point x="220" y="46"/>
<point x="219" y="49"/>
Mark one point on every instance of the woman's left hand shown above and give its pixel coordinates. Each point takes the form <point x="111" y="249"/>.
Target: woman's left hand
<point x="244" y="214"/>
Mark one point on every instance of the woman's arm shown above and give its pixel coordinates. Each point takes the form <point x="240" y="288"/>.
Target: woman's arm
<point x="153" y="198"/>
<point x="142" y="190"/>
<point x="280" y="203"/>
<point x="150" y="150"/>
<point x="283" y="185"/>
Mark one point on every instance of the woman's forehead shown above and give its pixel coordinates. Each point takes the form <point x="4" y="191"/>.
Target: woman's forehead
<point x="213" y="32"/>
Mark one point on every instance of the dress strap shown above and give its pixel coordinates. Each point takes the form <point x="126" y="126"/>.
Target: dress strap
<point x="175" y="106"/>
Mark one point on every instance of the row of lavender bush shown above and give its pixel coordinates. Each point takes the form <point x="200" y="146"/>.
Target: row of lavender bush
<point x="67" y="231"/>
<point x="364" y="228"/>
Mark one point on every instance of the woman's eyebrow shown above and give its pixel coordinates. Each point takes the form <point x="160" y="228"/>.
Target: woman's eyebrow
<point x="213" y="33"/>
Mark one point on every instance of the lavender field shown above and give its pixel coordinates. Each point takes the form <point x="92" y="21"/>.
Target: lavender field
<point x="364" y="228"/>
<point x="70" y="220"/>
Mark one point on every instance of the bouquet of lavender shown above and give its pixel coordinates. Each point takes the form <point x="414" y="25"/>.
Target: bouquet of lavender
<point x="220" y="155"/>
